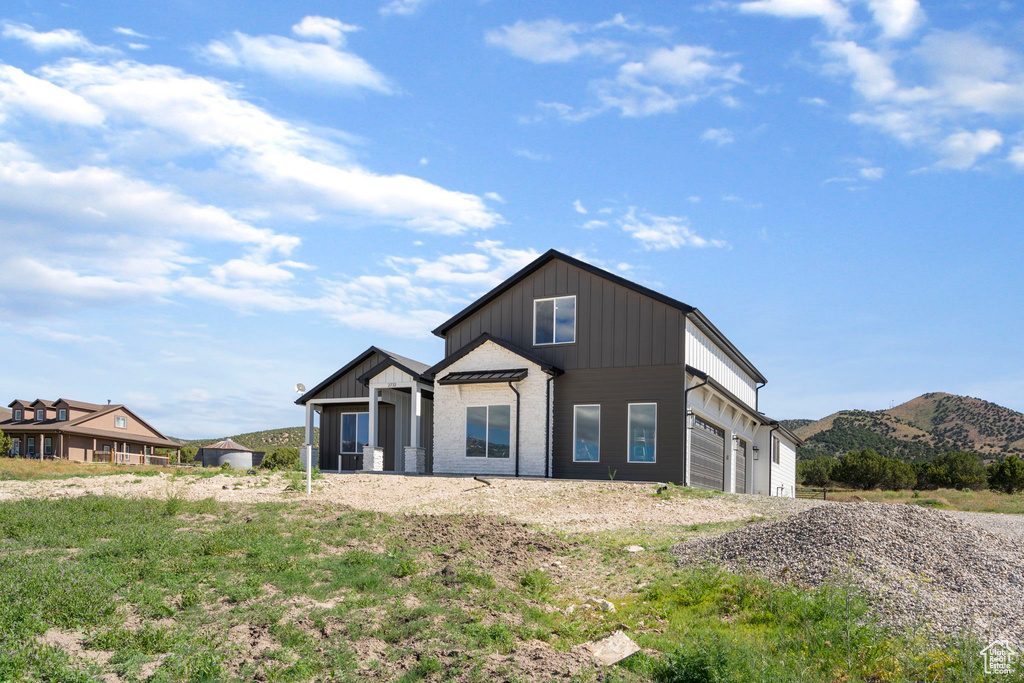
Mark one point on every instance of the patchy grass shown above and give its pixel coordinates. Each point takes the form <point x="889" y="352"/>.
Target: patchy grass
<point x="948" y="499"/>
<point x="26" y="469"/>
<point x="179" y="590"/>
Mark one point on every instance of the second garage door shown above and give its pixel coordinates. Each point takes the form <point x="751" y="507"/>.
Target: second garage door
<point x="707" y="457"/>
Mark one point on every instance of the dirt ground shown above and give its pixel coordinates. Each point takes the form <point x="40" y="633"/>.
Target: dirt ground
<point x="572" y="506"/>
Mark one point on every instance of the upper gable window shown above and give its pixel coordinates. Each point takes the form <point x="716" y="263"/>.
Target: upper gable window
<point x="40" y="414"/>
<point x="62" y="414"/>
<point x="18" y="415"/>
<point x="554" y="320"/>
<point x="121" y="422"/>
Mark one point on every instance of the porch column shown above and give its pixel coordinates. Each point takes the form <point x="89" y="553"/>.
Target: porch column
<point x="414" y="437"/>
<point x="371" y="438"/>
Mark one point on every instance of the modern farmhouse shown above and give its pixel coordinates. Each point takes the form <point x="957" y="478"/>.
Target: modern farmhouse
<point x="84" y="432"/>
<point x="564" y="370"/>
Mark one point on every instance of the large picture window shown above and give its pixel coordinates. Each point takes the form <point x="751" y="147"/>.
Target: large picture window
<point x="488" y="431"/>
<point x="554" y="320"/>
<point x="355" y="432"/>
<point x="643" y="432"/>
<point x="586" y="434"/>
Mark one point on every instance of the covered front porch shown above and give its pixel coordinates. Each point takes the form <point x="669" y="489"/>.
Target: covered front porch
<point x="388" y="430"/>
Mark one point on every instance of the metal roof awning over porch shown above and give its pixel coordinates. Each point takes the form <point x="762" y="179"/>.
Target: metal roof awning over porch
<point x="484" y="376"/>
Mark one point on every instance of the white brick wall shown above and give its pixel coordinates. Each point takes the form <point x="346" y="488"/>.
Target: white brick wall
<point x="451" y="401"/>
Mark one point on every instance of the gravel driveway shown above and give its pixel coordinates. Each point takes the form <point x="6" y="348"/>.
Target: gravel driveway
<point x="1010" y="526"/>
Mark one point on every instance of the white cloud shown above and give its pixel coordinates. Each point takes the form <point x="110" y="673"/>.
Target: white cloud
<point x="578" y="207"/>
<point x="532" y="155"/>
<point x="658" y="233"/>
<point x="872" y="173"/>
<point x="60" y="39"/>
<point x="494" y="197"/>
<point x="897" y="18"/>
<point x="719" y="136"/>
<point x="814" y="101"/>
<point x="202" y="114"/>
<point x="593" y="224"/>
<point x="834" y="14"/>
<point x="296" y="61"/>
<point x="20" y="92"/>
<point x="961" y="150"/>
<point x="1017" y="157"/>
<point x="402" y="8"/>
<point x="331" y="31"/>
<point x="547" y="40"/>
<point x="131" y="33"/>
<point x="138" y="46"/>
<point x="424" y="161"/>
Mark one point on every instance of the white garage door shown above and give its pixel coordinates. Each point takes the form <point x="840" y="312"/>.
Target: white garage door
<point x="707" y="455"/>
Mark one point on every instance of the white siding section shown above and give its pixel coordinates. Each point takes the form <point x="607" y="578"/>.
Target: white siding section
<point x="703" y="354"/>
<point x="784" y="474"/>
<point x="451" y="401"/>
<point x="710" y="407"/>
<point x="391" y="376"/>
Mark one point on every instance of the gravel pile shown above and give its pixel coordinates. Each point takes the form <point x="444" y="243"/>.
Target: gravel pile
<point x="924" y="566"/>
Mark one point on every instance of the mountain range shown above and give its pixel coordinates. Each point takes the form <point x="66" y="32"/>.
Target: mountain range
<point x="921" y="428"/>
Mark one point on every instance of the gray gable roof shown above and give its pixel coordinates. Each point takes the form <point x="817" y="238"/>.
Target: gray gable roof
<point x="414" y="365"/>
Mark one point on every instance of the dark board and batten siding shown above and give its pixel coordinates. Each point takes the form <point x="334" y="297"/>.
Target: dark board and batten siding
<point x="614" y="389"/>
<point x="348" y="385"/>
<point x="330" y="435"/>
<point x="616" y="327"/>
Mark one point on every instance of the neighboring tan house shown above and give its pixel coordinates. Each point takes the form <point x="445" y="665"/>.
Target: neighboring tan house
<point x="564" y="370"/>
<point x="83" y="432"/>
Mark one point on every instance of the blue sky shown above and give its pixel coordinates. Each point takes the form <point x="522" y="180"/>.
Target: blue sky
<point x="201" y="206"/>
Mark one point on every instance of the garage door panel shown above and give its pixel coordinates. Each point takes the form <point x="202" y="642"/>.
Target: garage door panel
<point x="707" y="455"/>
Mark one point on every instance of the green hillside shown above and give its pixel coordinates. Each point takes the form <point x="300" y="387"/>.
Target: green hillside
<point x="269" y="439"/>
<point x="920" y="429"/>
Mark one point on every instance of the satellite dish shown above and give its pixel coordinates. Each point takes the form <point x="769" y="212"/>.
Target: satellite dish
<point x="300" y="388"/>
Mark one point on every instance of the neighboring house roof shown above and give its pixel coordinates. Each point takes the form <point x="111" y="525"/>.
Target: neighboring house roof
<point x="79" y="405"/>
<point x="18" y="400"/>
<point x="408" y="364"/>
<point x="78" y="426"/>
<point x="46" y="403"/>
<point x="227" y="445"/>
<point x="413" y="368"/>
<point x="487" y="337"/>
<point x="698" y="318"/>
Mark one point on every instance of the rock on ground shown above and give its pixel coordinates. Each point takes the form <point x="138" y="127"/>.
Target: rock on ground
<point x="924" y="566"/>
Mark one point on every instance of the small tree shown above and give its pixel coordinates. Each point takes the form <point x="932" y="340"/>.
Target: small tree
<point x="899" y="475"/>
<point x="1007" y="476"/>
<point x="281" y="459"/>
<point x="816" y="472"/>
<point x="958" y="470"/>
<point x="5" y="445"/>
<point x="862" y="469"/>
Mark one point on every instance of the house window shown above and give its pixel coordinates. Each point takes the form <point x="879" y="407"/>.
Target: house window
<point x="48" y="445"/>
<point x="30" y="446"/>
<point x="554" y="320"/>
<point x="40" y="414"/>
<point x="16" y="446"/>
<point x="121" y="422"/>
<point x="487" y="431"/>
<point x="62" y="414"/>
<point x="775" y="450"/>
<point x="106" y="448"/>
<point x="355" y="432"/>
<point x="19" y="415"/>
<point x="586" y="433"/>
<point x="643" y="432"/>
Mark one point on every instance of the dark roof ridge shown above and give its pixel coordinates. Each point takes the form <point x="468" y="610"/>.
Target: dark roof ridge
<point x="488" y="337"/>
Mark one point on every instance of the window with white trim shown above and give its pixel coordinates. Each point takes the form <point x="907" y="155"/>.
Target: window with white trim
<point x="30" y="446"/>
<point x="643" y="432"/>
<point x="62" y="414"/>
<point x="48" y="445"/>
<point x="776" y="458"/>
<point x="554" y="320"/>
<point x="488" y="431"/>
<point x="355" y="432"/>
<point x="586" y="433"/>
<point x="19" y="415"/>
<point x="121" y="422"/>
<point x="40" y="414"/>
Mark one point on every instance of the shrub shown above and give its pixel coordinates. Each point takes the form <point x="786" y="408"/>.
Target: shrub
<point x="281" y="459"/>
<point x="5" y="445"/>
<point x="959" y="470"/>
<point x="868" y="470"/>
<point x="1007" y="476"/>
<point x="816" y="472"/>
<point x="189" y="453"/>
